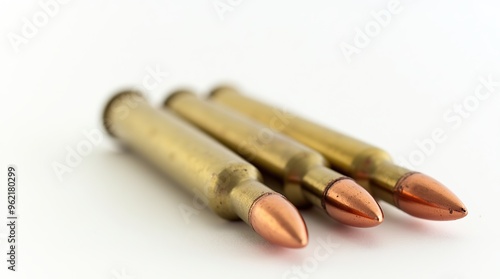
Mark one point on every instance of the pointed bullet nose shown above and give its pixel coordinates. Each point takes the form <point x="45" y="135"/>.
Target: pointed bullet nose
<point x="352" y="205"/>
<point x="278" y="221"/>
<point x="422" y="196"/>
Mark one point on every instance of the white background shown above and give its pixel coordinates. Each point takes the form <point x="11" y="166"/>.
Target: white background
<point x="114" y="217"/>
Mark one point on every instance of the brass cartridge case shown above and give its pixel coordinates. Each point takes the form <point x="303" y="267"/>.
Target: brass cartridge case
<point x="231" y="185"/>
<point x="307" y="179"/>
<point x="370" y="166"/>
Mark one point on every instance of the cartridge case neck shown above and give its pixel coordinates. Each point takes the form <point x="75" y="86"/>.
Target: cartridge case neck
<point x="384" y="180"/>
<point x="317" y="182"/>
<point x="243" y="196"/>
<point x="303" y="185"/>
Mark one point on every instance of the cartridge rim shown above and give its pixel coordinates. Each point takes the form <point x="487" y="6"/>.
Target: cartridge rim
<point x="218" y="89"/>
<point x="175" y="94"/>
<point x="119" y="95"/>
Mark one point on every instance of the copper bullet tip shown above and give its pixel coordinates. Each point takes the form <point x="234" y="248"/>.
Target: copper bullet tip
<point x="422" y="196"/>
<point x="352" y="205"/>
<point x="278" y="221"/>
